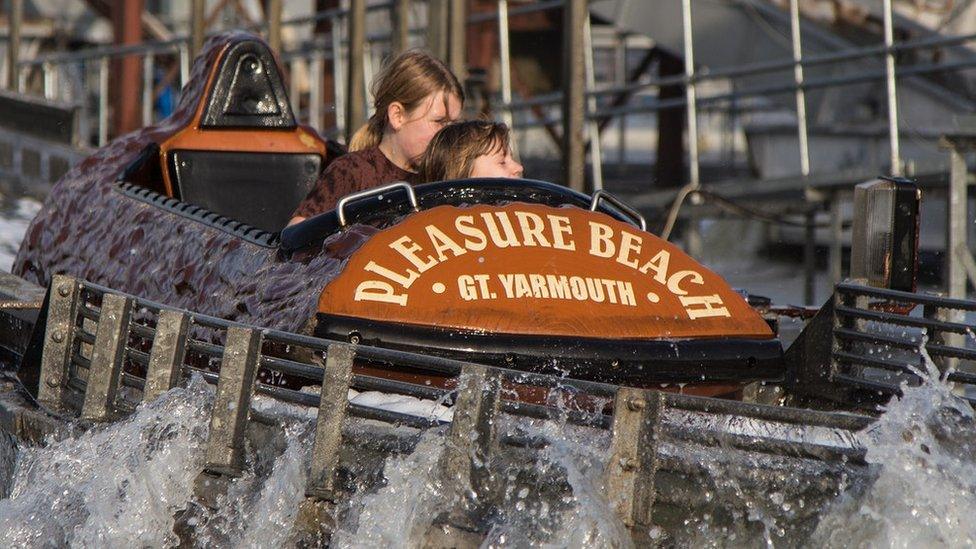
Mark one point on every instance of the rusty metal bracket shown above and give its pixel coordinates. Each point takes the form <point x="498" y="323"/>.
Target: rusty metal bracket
<point x="333" y="403"/>
<point x="235" y="386"/>
<point x="108" y="352"/>
<point x="633" y="458"/>
<point x="58" y="338"/>
<point x="166" y="356"/>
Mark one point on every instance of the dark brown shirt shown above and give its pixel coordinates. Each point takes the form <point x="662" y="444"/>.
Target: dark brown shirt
<point x="350" y="173"/>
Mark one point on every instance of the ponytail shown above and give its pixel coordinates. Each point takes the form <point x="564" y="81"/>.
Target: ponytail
<point x="369" y="134"/>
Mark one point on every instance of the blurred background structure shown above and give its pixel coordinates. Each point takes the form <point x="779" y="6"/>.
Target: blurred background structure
<point x="769" y="110"/>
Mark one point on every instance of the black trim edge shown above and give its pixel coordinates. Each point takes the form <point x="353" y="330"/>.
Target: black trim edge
<point x="622" y="361"/>
<point x="251" y="234"/>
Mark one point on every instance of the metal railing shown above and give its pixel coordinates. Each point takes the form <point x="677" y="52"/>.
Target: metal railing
<point x="876" y="341"/>
<point x="320" y="49"/>
<point x="106" y="351"/>
<point x="311" y="58"/>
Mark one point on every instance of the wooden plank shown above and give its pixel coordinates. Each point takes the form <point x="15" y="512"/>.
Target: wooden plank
<point x="633" y="458"/>
<point x="235" y="386"/>
<point x="333" y="403"/>
<point x="107" y="356"/>
<point x="58" y="336"/>
<point x="166" y="356"/>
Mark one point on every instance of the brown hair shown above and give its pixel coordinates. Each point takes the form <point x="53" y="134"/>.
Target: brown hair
<point x="452" y="151"/>
<point x="408" y="79"/>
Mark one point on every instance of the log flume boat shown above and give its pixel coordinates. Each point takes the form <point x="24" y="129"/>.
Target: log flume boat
<point x="165" y="255"/>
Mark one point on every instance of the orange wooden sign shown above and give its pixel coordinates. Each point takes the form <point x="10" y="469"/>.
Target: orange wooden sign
<point x="539" y="270"/>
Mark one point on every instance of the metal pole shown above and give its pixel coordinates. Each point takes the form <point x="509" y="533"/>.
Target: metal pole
<point x="48" y="70"/>
<point x="955" y="278"/>
<point x="148" y="67"/>
<point x="13" y="44"/>
<point x="337" y="69"/>
<point x="294" y="91"/>
<point x="836" y="244"/>
<point x="457" y="25"/>
<point x="693" y="237"/>
<point x="574" y="96"/>
<point x="810" y="258"/>
<point x="367" y="77"/>
<point x="801" y="102"/>
<point x="102" y="101"/>
<point x="690" y="93"/>
<point x="356" y="108"/>
<point x="274" y="25"/>
<point x="315" y="91"/>
<point x="592" y="125"/>
<point x="197" y="24"/>
<point x="184" y="65"/>
<point x="505" y="62"/>
<point x="892" y="96"/>
<point x="400" y="14"/>
<point x="621" y="70"/>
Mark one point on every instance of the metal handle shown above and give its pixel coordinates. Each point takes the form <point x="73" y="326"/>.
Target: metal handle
<point x="604" y="195"/>
<point x="340" y="207"/>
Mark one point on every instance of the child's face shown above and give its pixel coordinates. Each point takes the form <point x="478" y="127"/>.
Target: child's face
<point x="413" y="130"/>
<point x="498" y="163"/>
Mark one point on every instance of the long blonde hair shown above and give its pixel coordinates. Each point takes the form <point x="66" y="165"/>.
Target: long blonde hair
<point x="453" y="150"/>
<point x="408" y="79"/>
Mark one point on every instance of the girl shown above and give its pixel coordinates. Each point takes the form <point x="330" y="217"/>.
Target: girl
<point x="475" y="148"/>
<point x="415" y="95"/>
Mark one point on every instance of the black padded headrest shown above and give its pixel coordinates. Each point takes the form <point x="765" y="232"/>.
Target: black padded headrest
<point x="247" y="91"/>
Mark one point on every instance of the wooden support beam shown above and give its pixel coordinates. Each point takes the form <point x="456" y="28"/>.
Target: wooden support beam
<point x="108" y="354"/>
<point x="457" y="39"/>
<point x="356" y="77"/>
<point x="274" y="25"/>
<point x="238" y="369"/>
<point x="16" y="17"/>
<point x="58" y="336"/>
<point x="633" y="458"/>
<point x="471" y="441"/>
<point x="166" y="356"/>
<point x="400" y="15"/>
<point x="197" y="26"/>
<point x="333" y="403"/>
<point x="437" y="16"/>
<point x="574" y="94"/>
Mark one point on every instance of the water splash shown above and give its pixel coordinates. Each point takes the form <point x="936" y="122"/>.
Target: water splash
<point x="114" y="485"/>
<point x="923" y="447"/>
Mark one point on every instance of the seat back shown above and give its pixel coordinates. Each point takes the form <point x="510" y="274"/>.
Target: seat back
<point x="243" y="155"/>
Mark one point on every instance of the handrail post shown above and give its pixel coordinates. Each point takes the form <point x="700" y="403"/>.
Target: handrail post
<point x="148" y="67"/>
<point x="166" y="356"/>
<point x="693" y="234"/>
<point x="505" y="65"/>
<point x="103" y="101"/>
<point x="892" y="95"/>
<point x="108" y="354"/>
<point x="592" y="126"/>
<point x="339" y="91"/>
<point x="58" y="338"/>
<point x="801" y="102"/>
<point x="632" y="466"/>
